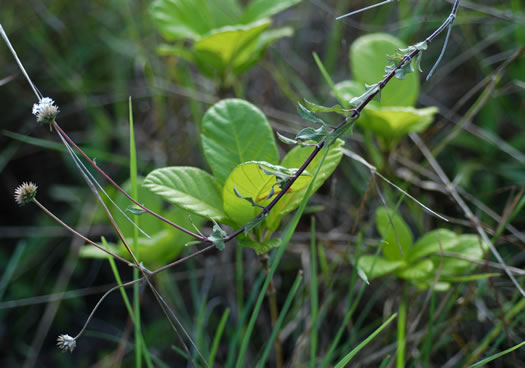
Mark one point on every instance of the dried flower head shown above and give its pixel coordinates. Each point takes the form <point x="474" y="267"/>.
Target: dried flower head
<point x="66" y="343"/>
<point x="25" y="193"/>
<point x="45" y="110"/>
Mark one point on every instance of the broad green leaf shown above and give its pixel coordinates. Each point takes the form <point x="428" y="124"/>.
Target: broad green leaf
<point x="376" y="266"/>
<point x="419" y="270"/>
<point x="192" y="19"/>
<point x="368" y="56"/>
<point x="223" y="49"/>
<point x="395" y="237"/>
<point x="251" y="181"/>
<point x="395" y="122"/>
<point x="260" y="248"/>
<point x="252" y="52"/>
<point x="469" y="245"/>
<point x="433" y="242"/>
<point x="295" y="158"/>
<point x="190" y="188"/>
<point x="258" y="9"/>
<point x="235" y="131"/>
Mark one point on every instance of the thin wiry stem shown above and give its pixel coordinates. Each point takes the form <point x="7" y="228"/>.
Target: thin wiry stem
<point x="12" y="49"/>
<point x="442" y="50"/>
<point x="80" y="165"/>
<point x="364" y="9"/>
<point x="466" y="210"/>
<point x="87" y="240"/>
<point x="106" y="176"/>
<point x="373" y="170"/>
<point x="100" y="302"/>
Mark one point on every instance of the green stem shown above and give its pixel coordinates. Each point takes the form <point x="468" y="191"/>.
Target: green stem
<point x="401" y="329"/>
<point x="135" y="194"/>
<point x="274" y="312"/>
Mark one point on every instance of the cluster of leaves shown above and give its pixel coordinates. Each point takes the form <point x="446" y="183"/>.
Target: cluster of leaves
<point x="421" y="261"/>
<point x="226" y="38"/>
<point x="240" y="148"/>
<point x="396" y="116"/>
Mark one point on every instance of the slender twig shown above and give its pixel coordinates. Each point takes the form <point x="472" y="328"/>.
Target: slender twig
<point x="364" y="9"/>
<point x="108" y="178"/>
<point x="466" y="210"/>
<point x="49" y="213"/>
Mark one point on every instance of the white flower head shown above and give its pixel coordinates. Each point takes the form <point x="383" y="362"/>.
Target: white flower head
<point x="45" y="110"/>
<point x="25" y="193"/>
<point x="66" y="343"/>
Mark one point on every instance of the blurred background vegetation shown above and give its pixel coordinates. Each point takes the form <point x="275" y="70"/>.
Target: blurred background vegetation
<point x="90" y="56"/>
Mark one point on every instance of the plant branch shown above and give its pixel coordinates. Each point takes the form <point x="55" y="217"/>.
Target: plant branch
<point x="351" y="118"/>
<point x="108" y="178"/>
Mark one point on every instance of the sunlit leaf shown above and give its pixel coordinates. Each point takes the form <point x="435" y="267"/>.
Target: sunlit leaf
<point x="235" y="131"/>
<point x="190" y="188"/>
<point x="251" y="181"/>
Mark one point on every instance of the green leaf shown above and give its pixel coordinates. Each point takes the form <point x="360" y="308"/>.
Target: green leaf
<point x="311" y="134"/>
<point x="251" y="181"/>
<point x="308" y="115"/>
<point x="484" y="362"/>
<point x="252" y="52"/>
<point x="235" y="131"/>
<point x="253" y="224"/>
<point x="223" y="49"/>
<point x="467" y="278"/>
<point x="370" y="90"/>
<point x="468" y="245"/>
<point x="396" y="237"/>
<point x="318" y="108"/>
<point x="261" y="248"/>
<point x="90" y="251"/>
<point x="190" y="188"/>
<point x="416" y="271"/>
<point x="367" y="60"/>
<point x="190" y="19"/>
<point x="284" y="139"/>
<point x="258" y="9"/>
<point x="376" y="266"/>
<point x="136" y="210"/>
<point x="295" y="158"/>
<point x="433" y="242"/>
<point x="392" y="123"/>
<point x="349" y="89"/>
<point x="217" y="236"/>
<point x="437" y="286"/>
